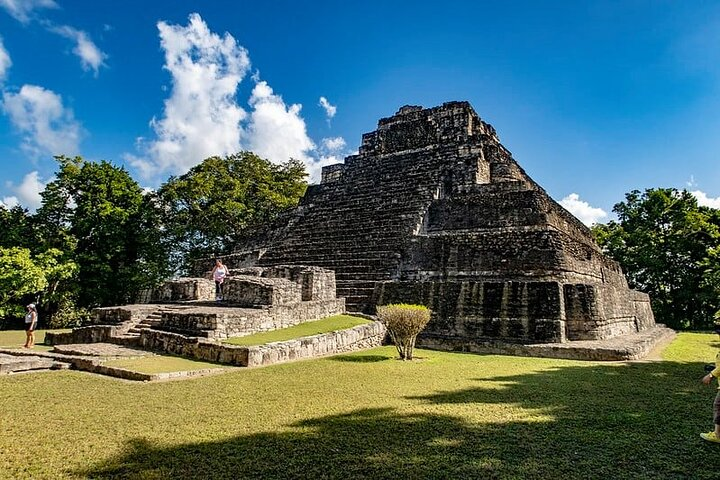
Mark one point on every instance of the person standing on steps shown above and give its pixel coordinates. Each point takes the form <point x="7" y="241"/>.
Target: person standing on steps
<point x="30" y="325"/>
<point x="219" y="273"/>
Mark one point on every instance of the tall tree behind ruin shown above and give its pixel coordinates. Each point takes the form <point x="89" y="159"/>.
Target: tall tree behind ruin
<point x="101" y="218"/>
<point x="669" y="248"/>
<point x="221" y="200"/>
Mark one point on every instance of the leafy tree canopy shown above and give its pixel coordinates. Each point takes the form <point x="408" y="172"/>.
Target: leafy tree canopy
<point x="668" y="247"/>
<point x="99" y="214"/>
<point x="220" y="200"/>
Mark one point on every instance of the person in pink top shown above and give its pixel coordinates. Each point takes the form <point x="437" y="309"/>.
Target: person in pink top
<point x="219" y="273"/>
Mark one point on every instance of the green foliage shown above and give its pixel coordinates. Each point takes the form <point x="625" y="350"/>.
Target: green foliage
<point x="21" y="277"/>
<point x="222" y="199"/>
<point x="404" y="322"/>
<point x="669" y="248"/>
<point x="25" y="278"/>
<point x="99" y="215"/>
<point x="68" y="315"/>
<point x="16" y="227"/>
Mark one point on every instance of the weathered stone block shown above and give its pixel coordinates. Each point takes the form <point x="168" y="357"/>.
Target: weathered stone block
<point x="247" y="291"/>
<point x="184" y="289"/>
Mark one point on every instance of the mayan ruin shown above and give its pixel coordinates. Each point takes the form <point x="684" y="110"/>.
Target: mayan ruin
<point x="434" y="210"/>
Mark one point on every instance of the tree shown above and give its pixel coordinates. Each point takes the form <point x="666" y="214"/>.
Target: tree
<point x="99" y="215"/>
<point x="21" y="279"/>
<point x="404" y="322"/>
<point x="217" y="202"/>
<point x="16" y="227"/>
<point x="667" y="246"/>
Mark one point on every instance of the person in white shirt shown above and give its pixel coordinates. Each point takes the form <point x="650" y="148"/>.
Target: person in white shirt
<point x="30" y="325"/>
<point x="219" y="273"/>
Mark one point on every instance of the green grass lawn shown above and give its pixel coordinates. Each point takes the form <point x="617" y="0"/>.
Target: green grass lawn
<point x="367" y="415"/>
<point x="16" y="338"/>
<point x="326" y="325"/>
<point x="160" y="364"/>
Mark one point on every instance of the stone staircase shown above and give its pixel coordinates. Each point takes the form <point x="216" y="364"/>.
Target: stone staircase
<point x="133" y="329"/>
<point x="151" y="321"/>
<point x="360" y="228"/>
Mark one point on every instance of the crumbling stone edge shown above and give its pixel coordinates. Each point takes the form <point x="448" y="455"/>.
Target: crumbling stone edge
<point x="353" y="339"/>
<point x="629" y="347"/>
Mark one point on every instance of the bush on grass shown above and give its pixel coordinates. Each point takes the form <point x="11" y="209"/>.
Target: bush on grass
<point x="404" y="322"/>
<point x="68" y="315"/>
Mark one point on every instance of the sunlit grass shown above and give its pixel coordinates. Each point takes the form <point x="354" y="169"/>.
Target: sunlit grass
<point x="326" y="325"/>
<point x="694" y="347"/>
<point x="16" y="338"/>
<point x="160" y="364"/>
<point x="368" y="415"/>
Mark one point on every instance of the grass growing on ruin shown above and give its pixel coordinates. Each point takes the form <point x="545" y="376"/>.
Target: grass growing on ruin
<point x="160" y="364"/>
<point x="326" y="325"/>
<point x="368" y="415"/>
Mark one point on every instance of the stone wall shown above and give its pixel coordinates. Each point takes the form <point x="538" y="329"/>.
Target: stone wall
<point x="219" y="322"/>
<point x="316" y="283"/>
<point x="183" y="289"/>
<point x="117" y="315"/>
<point x="89" y="334"/>
<point x="528" y="312"/>
<point x="193" y="347"/>
<point x="353" y="339"/>
<point x="343" y="341"/>
<point x="247" y="291"/>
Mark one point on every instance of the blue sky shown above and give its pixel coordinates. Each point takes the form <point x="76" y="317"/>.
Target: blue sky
<point x="594" y="99"/>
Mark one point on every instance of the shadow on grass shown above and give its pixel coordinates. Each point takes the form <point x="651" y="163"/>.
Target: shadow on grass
<point x="361" y="358"/>
<point x="625" y="421"/>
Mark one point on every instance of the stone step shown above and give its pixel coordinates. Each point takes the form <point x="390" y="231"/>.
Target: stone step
<point x="127" y="340"/>
<point x="14" y="364"/>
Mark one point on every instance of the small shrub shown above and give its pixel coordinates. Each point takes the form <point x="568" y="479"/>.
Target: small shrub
<point x="68" y="315"/>
<point x="404" y="322"/>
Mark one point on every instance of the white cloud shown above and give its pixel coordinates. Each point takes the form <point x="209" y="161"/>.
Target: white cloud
<point x="27" y="193"/>
<point x="9" y="202"/>
<point x="276" y="131"/>
<point x="91" y="57"/>
<point x="22" y="10"/>
<point x="333" y="144"/>
<point x="5" y="61"/>
<point x="582" y="210"/>
<point x="47" y="126"/>
<point x="704" y="200"/>
<point x="332" y="150"/>
<point x="201" y="117"/>
<point x="330" y="110"/>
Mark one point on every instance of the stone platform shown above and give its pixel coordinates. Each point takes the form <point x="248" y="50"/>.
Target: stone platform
<point x="89" y="358"/>
<point x="634" y="346"/>
<point x="24" y="363"/>
<point x="100" y="350"/>
<point x="353" y="339"/>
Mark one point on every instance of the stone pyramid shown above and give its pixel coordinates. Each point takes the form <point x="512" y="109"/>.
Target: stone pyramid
<point x="434" y="210"/>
